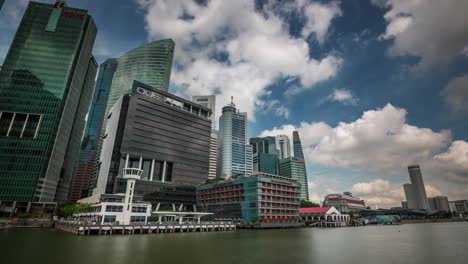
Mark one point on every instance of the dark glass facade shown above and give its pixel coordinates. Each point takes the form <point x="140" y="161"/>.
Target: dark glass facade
<point x="89" y="153"/>
<point x="297" y="146"/>
<point x="45" y="89"/>
<point x="265" y="155"/>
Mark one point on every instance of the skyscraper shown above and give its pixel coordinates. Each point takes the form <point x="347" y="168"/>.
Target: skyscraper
<point x="416" y="193"/>
<point x="92" y="136"/>
<point x="294" y="168"/>
<point x="234" y="156"/>
<point x="46" y="86"/>
<point x="1" y="4"/>
<point x="150" y="64"/>
<point x="283" y="145"/>
<point x="265" y="155"/>
<point x="208" y="101"/>
<point x="298" y="153"/>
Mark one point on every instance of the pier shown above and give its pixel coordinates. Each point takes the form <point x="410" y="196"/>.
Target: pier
<point x="156" y="228"/>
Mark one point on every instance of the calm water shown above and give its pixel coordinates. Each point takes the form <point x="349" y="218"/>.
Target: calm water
<point x="410" y="243"/>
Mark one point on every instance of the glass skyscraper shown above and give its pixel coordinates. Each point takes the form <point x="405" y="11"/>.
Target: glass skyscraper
<point x="416" y="191"/>
<point x="295" y="168"/>
<point x="92" y="136"/>
<point x="265" y="155"/>
<point x="46" y="86"/>
<point x="150" y="64"/>
<point x="234" y="155"/>
<point x="297" y="146"/>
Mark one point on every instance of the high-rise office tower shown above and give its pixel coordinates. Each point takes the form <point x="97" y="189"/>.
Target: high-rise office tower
<point x="150" y="64"/>
<point x="46" y="86"/>
<point x="294" y="168"/>
<point x="298" y="153"/>
<point x="92" y="136"/>
<point x="265" y="155"/>
<point x="208" y="101"/>
<point x="416" y="192"/>
<point x="1" y="4"/>
<point x="283" y="145"/>
<point x="234" y="156"/>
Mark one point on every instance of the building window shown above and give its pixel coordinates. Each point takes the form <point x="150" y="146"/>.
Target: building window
<point x="137" y="219"/>
<point x="146" y="167"/>
<point x="109" y="218"/>
<point x="157" y="171"/>
<point x="138" y="209"/>
<point x="114" y="208"/>
<point x="169" y="167"/>
<point x="19" y="124"/>
<point x="134" y="163"/>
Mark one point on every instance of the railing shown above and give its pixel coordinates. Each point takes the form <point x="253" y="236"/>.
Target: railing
<point x="132" y="173"/>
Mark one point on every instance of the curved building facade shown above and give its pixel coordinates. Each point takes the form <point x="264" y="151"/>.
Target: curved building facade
<point x="150" y="64"/>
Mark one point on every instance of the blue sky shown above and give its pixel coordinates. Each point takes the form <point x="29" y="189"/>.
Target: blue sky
<point x="372" y="85"/>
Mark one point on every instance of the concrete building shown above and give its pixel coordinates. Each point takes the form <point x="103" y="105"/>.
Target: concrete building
<point x="283" y="145"/>
<point x="439" y="204"/>
<point x="166" y="136"/>
<point x="265" y="155"/>
<point x="410" y="193"/>
<point x="262" y="200"/>
<point x="461" y="206"/>
<point x="345" y="203"/>
<point x="416" y="193"/>
<point x="323" y="217"/>
<point x="208" y="101"/>
<point x="89" y="155"/>
<point x="234" y="155"/>
<point x="46" y="85"/>
<point x="294" y="168"/>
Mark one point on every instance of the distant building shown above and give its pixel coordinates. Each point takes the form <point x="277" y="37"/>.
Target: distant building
<point x="261" y="199"/>
<point x="323" y="217"/>
<point x="89" y="155"/>
<point x="297" y="145"/>
<point x="404" y="204"/>
<point x="461" y="206"/>
<point x="283" y="145"/>
<point x="439" y="204"/>
<point x="213" y="154"/>
<point x="164" y="135"/>
<point x="416" y="192"/>
<point x="265" y="157"/>
<point x="345" y="203"/>
<point x="234" y="155"/>
<point x="1" y="4"/>
<point x="46" y="87"/>
<point x="294" y="168"/>
<point x="208" y="101"/>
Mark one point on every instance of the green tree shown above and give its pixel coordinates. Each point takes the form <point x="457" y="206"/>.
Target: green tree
<point x="305" y="203"/>
<point x="69" y="209"/>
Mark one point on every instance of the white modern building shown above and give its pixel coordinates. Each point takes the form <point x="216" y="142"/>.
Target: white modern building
<point x="213" y="154"/>
<point x="283" y="145"/>
<point x="235" y="156"/>
<point x="439" y="204"/>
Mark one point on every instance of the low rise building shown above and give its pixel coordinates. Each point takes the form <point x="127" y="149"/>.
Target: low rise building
<point x="439" y="204"/>
<point x="460" y="206"/>
<point x="345" y="203"/>
<point x="263" y="200"/>
<point x="323" y="217"/>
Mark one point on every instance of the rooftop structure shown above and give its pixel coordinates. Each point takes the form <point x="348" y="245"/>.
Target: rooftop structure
<point x="344" y="203"/>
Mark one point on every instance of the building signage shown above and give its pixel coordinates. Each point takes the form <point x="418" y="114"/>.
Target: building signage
<point x="146" y="92"/>
<point x="73" y="14"/>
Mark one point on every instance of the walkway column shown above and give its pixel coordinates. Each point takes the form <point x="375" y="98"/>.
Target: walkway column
<point x="198" y="220"/>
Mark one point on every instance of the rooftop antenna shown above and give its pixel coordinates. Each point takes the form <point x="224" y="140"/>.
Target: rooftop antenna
<point x="232" y="100"/>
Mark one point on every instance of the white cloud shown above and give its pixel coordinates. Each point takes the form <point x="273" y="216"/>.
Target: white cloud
<point x="382" y="142"/>
<point x="436" y="31"/>
<point x="255" y="47"/>
<point x="343" y="96"/>
<point x="379" y="193"/>
<point x="319" y="18"/>
<point x="456" y="93"/>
